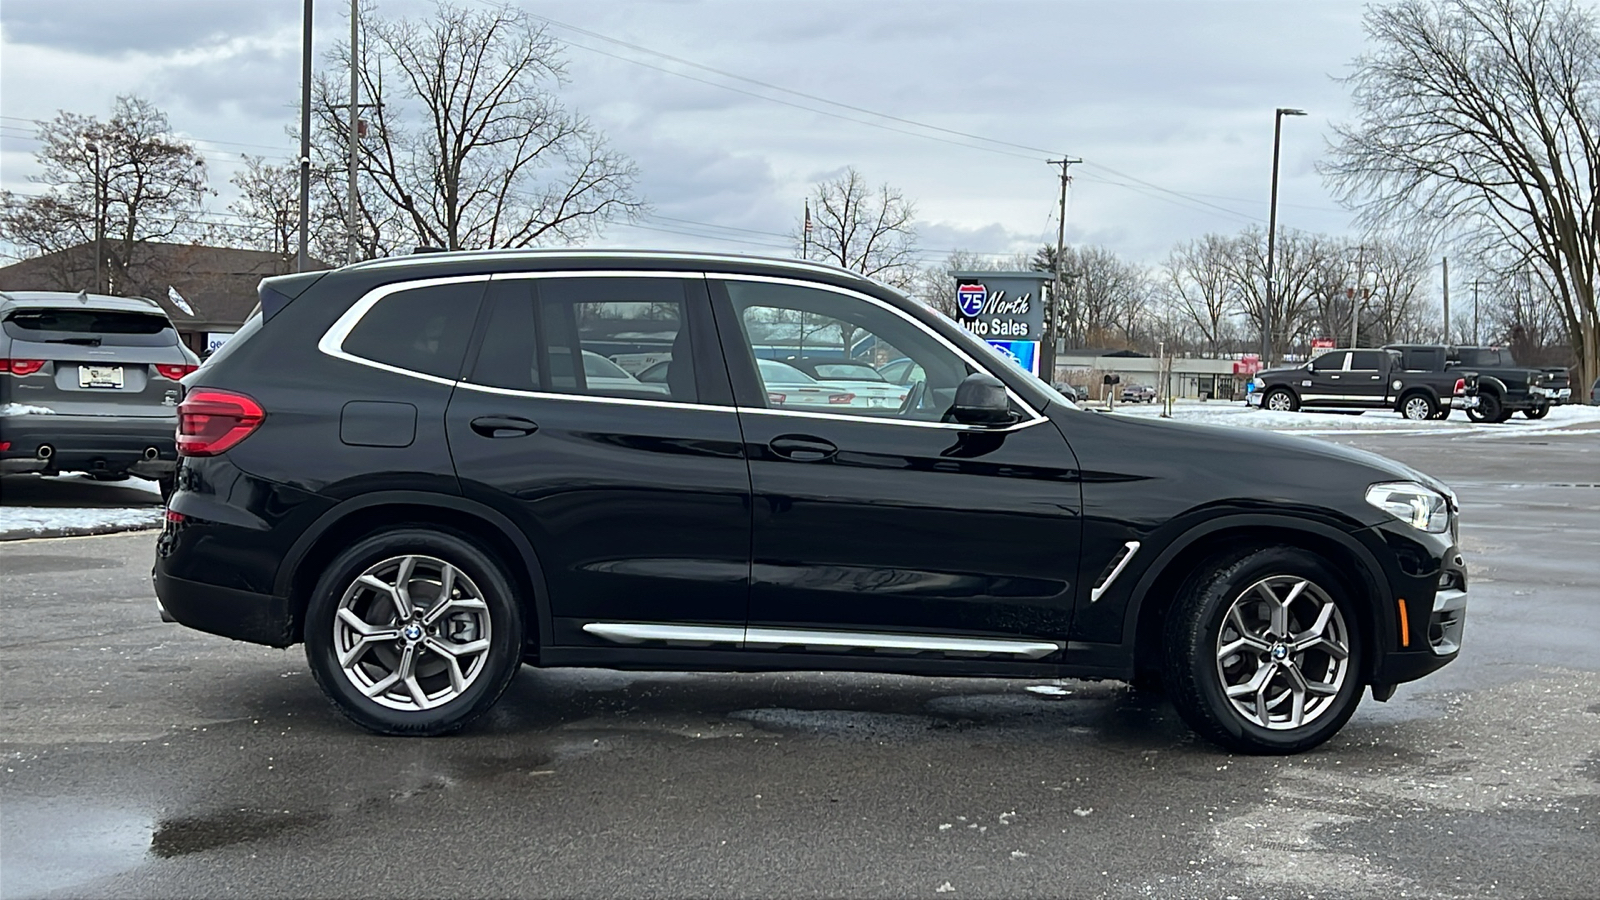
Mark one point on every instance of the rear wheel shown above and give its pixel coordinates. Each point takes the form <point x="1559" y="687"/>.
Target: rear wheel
<point x="414" y="631"/>
<point x="1280" y="400"/>
<point x="1263" y="652"/>
<point x="1536" y="412"/>
<point x="1419" y="407"/>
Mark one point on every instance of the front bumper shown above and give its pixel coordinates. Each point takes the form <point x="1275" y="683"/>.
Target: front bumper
<point x="142" y="445"/>
<point x="1253" y="399"/>
<point x="1421" y="632"/>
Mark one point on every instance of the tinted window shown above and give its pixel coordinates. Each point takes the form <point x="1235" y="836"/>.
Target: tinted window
<point x="828" y="329"/>
<point x="1366" y="359"/>
<point x="1329" y="361"/>
<point x="422" y="329"/>
<point x="91" y="327"/>
<point x="589" y="336"/>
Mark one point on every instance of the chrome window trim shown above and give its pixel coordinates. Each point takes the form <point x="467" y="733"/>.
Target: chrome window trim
<point x="586" y="398"/>
<point x="841" y="417"/>
<point x="1034" y="417"/>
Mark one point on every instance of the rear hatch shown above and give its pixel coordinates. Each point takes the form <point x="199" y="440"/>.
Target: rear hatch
<point x="82" y="360"/>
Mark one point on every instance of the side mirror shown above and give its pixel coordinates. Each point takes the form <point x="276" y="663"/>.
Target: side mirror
<point x="981" y="400"/>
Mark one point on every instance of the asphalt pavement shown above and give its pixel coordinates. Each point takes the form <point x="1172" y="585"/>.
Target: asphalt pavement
<point x="143" y="759"/>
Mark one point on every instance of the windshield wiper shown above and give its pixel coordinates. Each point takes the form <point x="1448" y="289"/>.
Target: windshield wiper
<point x="85" y="341"/>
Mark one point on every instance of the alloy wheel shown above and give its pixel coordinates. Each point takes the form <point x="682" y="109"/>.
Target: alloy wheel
<point x="1283" y="652"/>
<point x="412" y="632"/>
<point x="1418" y="408"/>
<point x="1280" y="401"/>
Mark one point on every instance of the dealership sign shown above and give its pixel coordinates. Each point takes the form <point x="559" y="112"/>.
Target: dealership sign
<point x="1007" y="310"/>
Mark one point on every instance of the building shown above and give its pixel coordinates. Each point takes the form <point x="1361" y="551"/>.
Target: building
<point x="218" y="284"/>
<point x="1194" y="379"/>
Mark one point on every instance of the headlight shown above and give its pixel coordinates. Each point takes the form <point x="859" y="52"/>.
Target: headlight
<point x="1420" y="507"/>
<point x="1258" y="382"/>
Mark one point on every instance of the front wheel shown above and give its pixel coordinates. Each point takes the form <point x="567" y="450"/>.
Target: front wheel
<point x="1536" y="412"/>
<point x="1488" y="409"/>
<point x="1280" y="400"/>
<point x="1263" y="652"/>
<point x="414" y="631"/>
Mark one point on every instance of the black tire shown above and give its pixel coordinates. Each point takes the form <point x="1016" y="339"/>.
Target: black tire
<point x="1536" y="412"/>
<point x="1419" y="407"/>
<point x="392" y="712"/>
<point x="1196" y="674"/>
<point x="1284" y="399"/>
<point x="1488" y="409"/>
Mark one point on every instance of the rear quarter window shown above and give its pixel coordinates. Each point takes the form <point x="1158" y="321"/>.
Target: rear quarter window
<point x="421" y="329"/>
<point x="92" y="327"/>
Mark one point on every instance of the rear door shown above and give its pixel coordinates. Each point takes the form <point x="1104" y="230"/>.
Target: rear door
<point x="1364" y="379"/>
<point x="87" y="361"/>
<point x="635" y="495"/>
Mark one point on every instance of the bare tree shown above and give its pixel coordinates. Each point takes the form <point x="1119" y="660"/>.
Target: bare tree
<point x="1482" y="118"/>
<point x="1297" y="270"/>
<point x="268" y="206"/>
<point x="470" y="147"/>
<point x="126" y="181"/>
<point x="1196" y="280"/>
<point x="871" y="231"/>
<point x="935" y="285"/>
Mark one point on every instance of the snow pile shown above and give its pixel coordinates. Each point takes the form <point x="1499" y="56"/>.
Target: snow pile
<point x="23" y="409"/>
<point x="1238" y="415"/>
<point x="22" y="521"/>
<point x="123" y="506"/>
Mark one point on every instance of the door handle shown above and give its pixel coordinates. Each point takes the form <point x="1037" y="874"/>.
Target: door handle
<point x="503" y="426"/>
<point x="803" y="447"/>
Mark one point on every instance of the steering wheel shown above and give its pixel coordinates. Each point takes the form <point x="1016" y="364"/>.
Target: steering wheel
<point x="914" y="397"/>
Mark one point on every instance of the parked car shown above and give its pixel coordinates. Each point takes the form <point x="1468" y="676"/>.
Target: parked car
<point x="786" y="386"/>
<point x="871" y="389"/>
<point x="1360" y="379"/>
<point x="1138" y="393"/>
<point x="1532" y="391"/>
<point x="388" y="464"/>
<point x="89" y="383"/>
<point x="1075" y="394"/>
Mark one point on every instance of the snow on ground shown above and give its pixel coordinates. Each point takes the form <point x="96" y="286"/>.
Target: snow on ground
<point x="1571" y="419"/>
<point x="116" y="506"/>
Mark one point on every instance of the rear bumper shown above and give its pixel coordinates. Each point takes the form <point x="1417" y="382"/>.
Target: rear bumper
<point x="142" y="445"/>
<point x="1459" y="402"/>
<point x="232" y="613"/>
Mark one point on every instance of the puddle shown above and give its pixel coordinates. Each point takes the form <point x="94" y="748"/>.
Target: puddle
<point x="49" y="847"/>
<point x="183" y="835"/>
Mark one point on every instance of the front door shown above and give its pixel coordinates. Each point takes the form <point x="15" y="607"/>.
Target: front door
<point x="885" y="528"/>
<point x="634" y="495"/>
<point x="1326" y="385"/>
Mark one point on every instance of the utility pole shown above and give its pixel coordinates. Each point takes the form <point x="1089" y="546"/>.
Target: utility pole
<point x="1359" y="296"/>
<point x="1475" y="283"/>
<point x="353" y="217"/>
<point x="1047" y="341"/>
<point x="1272" y="235"/>
<point x="305" y="137"/>
<point x="1446" y="299"/>
<point x="805" y="233"/>
<point x="99" y="224"/>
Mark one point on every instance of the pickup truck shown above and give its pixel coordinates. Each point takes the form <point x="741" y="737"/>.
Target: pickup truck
<point x="1362" y="379"/>
<point x="1504" y="387"/>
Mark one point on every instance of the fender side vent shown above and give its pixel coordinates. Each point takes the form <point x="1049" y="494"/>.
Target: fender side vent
<point x="1112" y="570"/>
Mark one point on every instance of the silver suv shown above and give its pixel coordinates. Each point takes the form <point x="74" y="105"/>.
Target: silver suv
<point x="89" y="384"/>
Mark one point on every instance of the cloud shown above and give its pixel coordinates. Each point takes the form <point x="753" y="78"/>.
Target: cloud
<point x="111" y="29"/>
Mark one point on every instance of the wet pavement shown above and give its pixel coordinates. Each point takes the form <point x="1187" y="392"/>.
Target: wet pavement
<point x="142" y="759"/>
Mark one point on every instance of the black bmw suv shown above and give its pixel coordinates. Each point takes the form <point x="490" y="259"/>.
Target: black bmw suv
<point x="433" y="470"/>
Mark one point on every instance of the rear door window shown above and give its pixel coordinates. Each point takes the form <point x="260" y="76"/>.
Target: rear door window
<point x="422" y="329"/>
<point x="1366" y="360"/>
<point x="90" y="327"/>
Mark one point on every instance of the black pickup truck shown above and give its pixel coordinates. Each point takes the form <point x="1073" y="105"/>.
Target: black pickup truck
<point x="1361" y="379"/>
<point x="1504" y="387"/>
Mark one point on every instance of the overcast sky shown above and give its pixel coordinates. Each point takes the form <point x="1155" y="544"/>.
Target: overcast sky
<point x="1169" y="104"/>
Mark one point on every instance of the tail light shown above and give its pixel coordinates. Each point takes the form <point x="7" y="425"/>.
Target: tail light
<point x="775" y="399"/>
<point x="841" y="398"/>
<point x="174" y="372"/>
<point x="21" y="366"/>
<point x="212" y="421"/>
<point x="1461" y="386"/>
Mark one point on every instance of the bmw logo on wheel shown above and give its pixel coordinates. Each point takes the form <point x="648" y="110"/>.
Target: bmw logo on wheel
<point x="970" y="298"/>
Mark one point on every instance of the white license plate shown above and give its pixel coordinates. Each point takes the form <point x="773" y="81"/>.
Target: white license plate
<point x="100" y="376"/>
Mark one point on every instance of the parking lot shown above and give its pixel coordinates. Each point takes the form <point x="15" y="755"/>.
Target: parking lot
<point x="145" y="759"/>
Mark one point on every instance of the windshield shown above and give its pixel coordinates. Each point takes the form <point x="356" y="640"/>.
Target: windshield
<point x="774" y="372"/>
<point x="846" y="371"/>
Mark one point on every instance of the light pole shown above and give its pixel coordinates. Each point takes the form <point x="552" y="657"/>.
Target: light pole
<point x="305" y="138"/>
<point x="1272" y="235"/>
<point x="99" y="223"/>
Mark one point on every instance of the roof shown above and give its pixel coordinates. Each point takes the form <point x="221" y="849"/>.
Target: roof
<point x="453" y="258"/>
<point x="35" y="299"/>
<point x="218" y="283"/>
